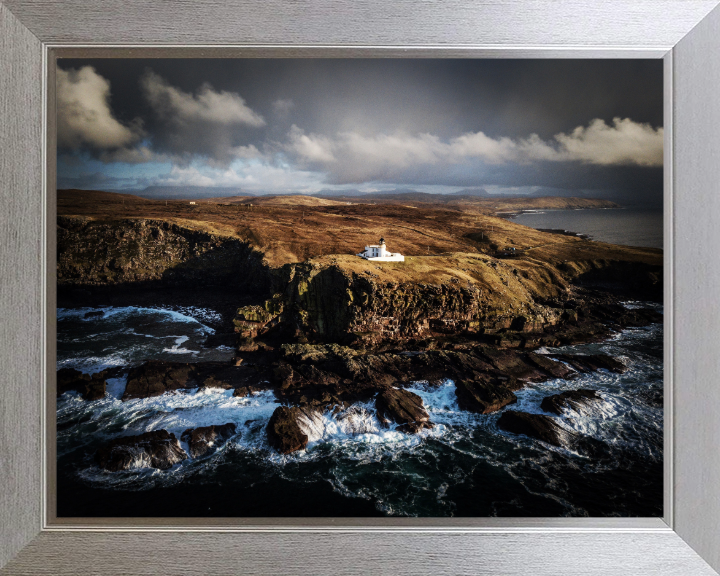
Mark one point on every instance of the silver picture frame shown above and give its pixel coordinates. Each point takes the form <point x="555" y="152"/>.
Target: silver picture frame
<point x="684" y="33"/>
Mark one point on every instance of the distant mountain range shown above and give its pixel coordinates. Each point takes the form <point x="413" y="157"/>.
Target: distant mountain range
<point x="397" y="196"/>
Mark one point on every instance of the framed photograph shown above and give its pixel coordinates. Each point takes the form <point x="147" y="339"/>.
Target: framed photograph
<point x="420" y="300"/>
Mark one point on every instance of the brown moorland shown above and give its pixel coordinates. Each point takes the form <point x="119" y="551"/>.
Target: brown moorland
<point x="289" y="229"/>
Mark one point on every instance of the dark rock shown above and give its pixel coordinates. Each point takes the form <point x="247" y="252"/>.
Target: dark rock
<point x="156" y="377"/>
<point x="511" y="363"/>
<point x="157" y="449"/>
<point x="592" y="362"/>
<point x="570" y="315"/>
<point x="248" y="390"/>
<point x="288" y="428"/>
<point x="284" y="374"/>
<point x="90" y="387"/>
<point x="536" y="426"/>
<point x="402" y="407"/>
<point x="70" y="379"/>
<point x="552" y="367"/>
<point x="202" y="440"/>
<point x="483" y="395"/>
<point x="212" y="381"/>
<point x="136" y="252"/>
<point x="572" y="399"/>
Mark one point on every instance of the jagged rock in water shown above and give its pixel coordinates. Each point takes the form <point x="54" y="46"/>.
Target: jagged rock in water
<point x="291" y="428"/>
<point x="573" y="399"/>
<point x="404" y="408"/>
<point x="213" y="381"/>
<point x="241" y="392"/>
<point x="592" y="362"/>
<point x="157" y="449"/>
<point x="244" y="391"/>
<point x="512" y="364"/>
<point x="156" y="377"/>
<point x="90" y="387"/>
<point x="552" y="367"/>
<point x="536" y="426"/>
<point x="483" y="396"/>
<point x="202" y="440"/>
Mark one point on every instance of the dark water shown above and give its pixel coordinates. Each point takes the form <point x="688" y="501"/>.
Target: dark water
<point x="628" y="226"/>
<point x="465" y="466"/>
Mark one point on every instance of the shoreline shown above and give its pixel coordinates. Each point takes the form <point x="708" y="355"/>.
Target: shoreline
<point x="629" y="226"/>
<point x="333" y="342"/>
<point x="162" y="497"/>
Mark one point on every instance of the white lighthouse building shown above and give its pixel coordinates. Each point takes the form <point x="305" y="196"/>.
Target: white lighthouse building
<point x="379" y="253"/>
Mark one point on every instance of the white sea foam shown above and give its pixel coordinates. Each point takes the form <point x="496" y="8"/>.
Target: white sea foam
<point x="179" y="340"/>
<point x="92" y="364"/>
<point x="114" y="312"/>
<point x="129" y="336"/>
<point x="204" y="314"/>
<point x="351" y="439"/>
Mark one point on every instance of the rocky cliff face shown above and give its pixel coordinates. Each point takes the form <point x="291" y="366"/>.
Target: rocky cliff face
<point x="107" y="253"/>
<point x="333" y="304"/>
<point x="328" y="301"/>
<point x="343" y="298"/>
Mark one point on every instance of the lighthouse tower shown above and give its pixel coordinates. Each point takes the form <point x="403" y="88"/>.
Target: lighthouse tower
<point x="382" y="252"/>
<point x="379" y="253"/>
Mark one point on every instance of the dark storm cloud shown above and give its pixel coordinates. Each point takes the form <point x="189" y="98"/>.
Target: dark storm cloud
<point x="405" y="122"/>
<point x="92" y="180"/>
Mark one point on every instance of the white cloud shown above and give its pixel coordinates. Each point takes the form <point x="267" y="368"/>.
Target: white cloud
<point x="207" y="105"/>
<point x="356" y="157"/>
<point x="311" y="148"/>
<point x="253" y="176"/>
<point x="84" y="116"/>
<point x="245" y="152"/>
<point x="625" y="142"/>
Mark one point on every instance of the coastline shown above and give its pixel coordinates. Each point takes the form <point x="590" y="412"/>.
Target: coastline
<point x="301" y="351"/>
<point x="101" y="494"/>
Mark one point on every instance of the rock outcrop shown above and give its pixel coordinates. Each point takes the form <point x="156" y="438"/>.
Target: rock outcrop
<point x="572" y="399"/>
<point x="549" y="366"/>
<point x="402" y="407"/>
<point x="158" y="449"/>
<point x="206" y="438"/>
<point x="153" y="252"/>
<point x="592" y="362"/>
<point x="290" y="428"/>
<point x="484" y="396"/>
<point x="90" y="387"/>
<point x="156" y="377"/>
<point x="509" y="304"/>
<point x="536" y="426"/>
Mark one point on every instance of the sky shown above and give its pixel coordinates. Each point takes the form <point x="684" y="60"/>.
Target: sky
<point x="213" y="127"/>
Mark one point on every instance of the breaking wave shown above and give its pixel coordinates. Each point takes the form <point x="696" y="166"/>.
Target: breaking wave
<point x="463" y="466"/>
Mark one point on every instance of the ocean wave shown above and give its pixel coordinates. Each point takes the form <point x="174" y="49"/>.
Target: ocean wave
<point x="403" y="474"/>
<point x="109" y="312"/>
<point x="179" y="341"/>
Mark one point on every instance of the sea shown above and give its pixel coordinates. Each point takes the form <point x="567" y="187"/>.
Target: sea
<point x="352" y="467"/>
<point x="631" y="226"/>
